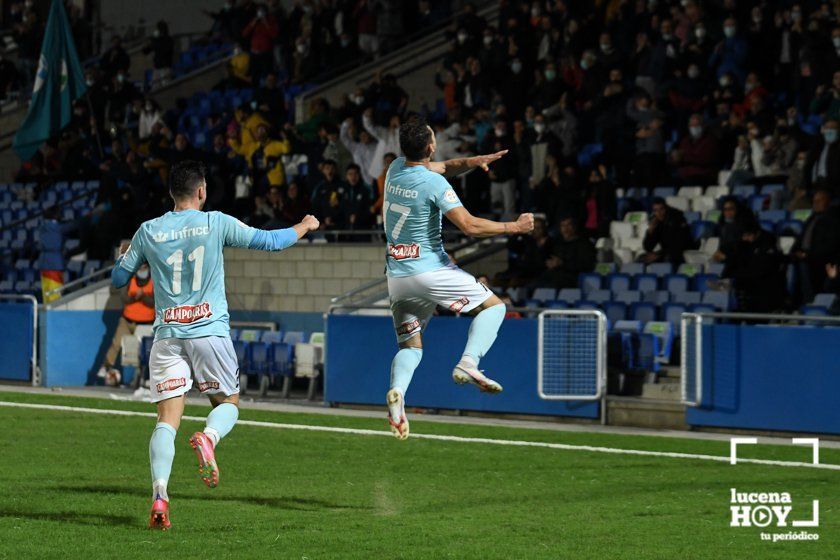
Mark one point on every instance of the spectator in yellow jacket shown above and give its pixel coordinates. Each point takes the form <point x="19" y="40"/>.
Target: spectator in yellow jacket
<point x="263" y="155"/>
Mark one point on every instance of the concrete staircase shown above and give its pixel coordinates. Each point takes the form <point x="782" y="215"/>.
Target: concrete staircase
<point x="658" y="406"/>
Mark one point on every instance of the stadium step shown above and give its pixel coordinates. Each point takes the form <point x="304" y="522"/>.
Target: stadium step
<point x="645" y="413"/>
<point x="666" y="390"/>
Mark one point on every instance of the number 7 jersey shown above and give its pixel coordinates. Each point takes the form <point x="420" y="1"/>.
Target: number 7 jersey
<point x="415" y="201"/>
<point x="184" y="252"/>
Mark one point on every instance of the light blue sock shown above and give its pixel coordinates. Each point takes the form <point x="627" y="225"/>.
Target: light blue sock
<point x="483" y="332"/>
<point x="161" y="455"/>
<point x="220" y="421"/>
<point x="403" y="366"/>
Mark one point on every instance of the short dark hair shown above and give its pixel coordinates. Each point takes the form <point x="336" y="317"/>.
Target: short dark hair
<point x="353" y="166"/>
<point x="185" y="177"/>
<point x="657" y="200"/>
<point x="415" y="137"/>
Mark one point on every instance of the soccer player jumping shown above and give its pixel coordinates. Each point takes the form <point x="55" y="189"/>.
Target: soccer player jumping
<point x="420" y="273"/>
<point x="192" y="333"/>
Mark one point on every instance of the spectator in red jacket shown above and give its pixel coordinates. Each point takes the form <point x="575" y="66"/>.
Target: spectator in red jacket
<point x="696" y="157"/>
<point x="261" y="32"/>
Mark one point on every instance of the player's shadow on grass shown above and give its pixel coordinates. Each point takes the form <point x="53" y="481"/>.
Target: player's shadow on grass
<point x="71" y="517"/>
<point x="282" y="502"/>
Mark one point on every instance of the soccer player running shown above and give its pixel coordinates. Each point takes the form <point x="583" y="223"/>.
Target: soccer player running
<point x="420" y="273"/>
<point x="192" y="334"/>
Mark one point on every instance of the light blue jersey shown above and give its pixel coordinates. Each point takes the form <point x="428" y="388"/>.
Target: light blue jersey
<point x="415" y="201"/>
<point x="184" y="252"/>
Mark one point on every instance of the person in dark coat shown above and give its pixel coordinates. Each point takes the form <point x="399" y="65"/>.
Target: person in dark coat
<point x="668" y="235"/>
<point x="734" y="221"/>
<point x="571" y="256"/>
<point x="822" y="168"/>
<point x="758" y="271"/>
<point x="818" y="244"/>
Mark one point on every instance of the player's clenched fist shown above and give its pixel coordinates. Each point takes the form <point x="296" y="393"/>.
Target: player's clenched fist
<point x="311" y="223"/>
<point x="525" y="223"/>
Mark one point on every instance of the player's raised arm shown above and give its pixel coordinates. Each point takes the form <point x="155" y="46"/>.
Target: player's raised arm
<point x="454" y="167"/>
<point x="238" y="234"/>
<point x="130" y="259"/>
<point x="479" y="227"/>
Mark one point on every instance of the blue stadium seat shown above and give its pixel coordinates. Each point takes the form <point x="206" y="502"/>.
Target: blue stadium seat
<point x="282" y="359"/>
<point x="672" y="313"/>
<point x="234" y="334"/>
<point x="599" y="296"/>
<point x="702" y="281"/>
<point x="628" y="297"/>
<point x="271" y="336"/>
<point x="715" y="268"/>
<point x="719" y="299"/>
<point x="693" y="217"/>
<point x="556" y="304"/>
<point x="646" y="282"/>
<point x="628" y="326"/>
<point x="632" y="268"/>
<point x="647" y="351"/>
<point x="544" y="294"/>
<point x="774" y="216"/>
<point x="618" y="282"/>
<point x="660" y="269"/>
<point x="260" y="358"/>
<point x="589" y="281"/>
<point x="146" y="350"/>
<point x="586" y="305"/>
<point x="657" y="297"/>
<point x="293" y="337"/>
<point x="615" y="311"/>
<point x="703" y="230"/>
<point x="664" y="192"/>
<point x="676" y="283"/>
<point x="743" y="191"/>
<point x="664" y="332"/>
<point x="703" y="308"/>
<point x="824" y="300"/>
<point x="686" y="298"/>
<point x="569" y="295"/>
<point x="642" y="311"/>
<point x="758" y="202"/>
<point x="814" y="311"/>
<point x="790" y="227"/>
<point x="242" y="354"/>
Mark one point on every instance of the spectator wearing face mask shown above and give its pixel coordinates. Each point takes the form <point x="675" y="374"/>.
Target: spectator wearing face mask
<point x="161" y="46"/>
<point x="730" y="54"/>
<point x="387" y="138"/>
<point x="115" y="59"/>
<point x="823" y="165"/>
<point x="696" y="158"/>
<point x="503" y="172"/>
<point x="735" y="219"/>
<point x="827" y="100"/>
<point x="149" y="115"/>
<point x="796" y="194"/>
<point x="261" y="33"/>
<point x="138" y="298"/>
<point x="363" y="150"/>
<point x="650" y="141"/>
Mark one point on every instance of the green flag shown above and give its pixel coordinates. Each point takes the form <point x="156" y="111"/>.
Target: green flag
<point x="58" y="82"/>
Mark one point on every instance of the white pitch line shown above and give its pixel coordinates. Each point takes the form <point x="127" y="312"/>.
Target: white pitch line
<point x="436" y="437"/>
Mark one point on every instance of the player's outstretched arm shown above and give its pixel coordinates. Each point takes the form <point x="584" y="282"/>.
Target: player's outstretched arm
<point x="123" y="270"/>
<point x="453" y="167"/>
<point x="479" y="227"/>
<point x="279" y="239"/>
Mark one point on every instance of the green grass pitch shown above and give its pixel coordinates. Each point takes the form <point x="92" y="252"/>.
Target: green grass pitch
<point x="76" y="485"/>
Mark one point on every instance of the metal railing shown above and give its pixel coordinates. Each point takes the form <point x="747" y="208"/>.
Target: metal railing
<point x="78" y="283"/>
<point x="691" y="335"/>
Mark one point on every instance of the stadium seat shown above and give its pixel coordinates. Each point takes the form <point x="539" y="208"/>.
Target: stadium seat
<point x="711" y="245"/>
<point x="615" y="311"/>
<point x="664" y="332"/>
<point x="695" y="258"/>
<point x="621" y="230"/>
<point x="758" y="202"/>
<point x="676" y="283"/>
<point x="618" y="282"/>
<point x="703" y="204"/>
<point x="774" y="216"/>
<point x="599" y="296"/>
<point x="801" y="215"/>
<point x="703" y="282"/>
<point x="664" y="192"/>
<point x="556" y="304"/>
<point x="772" y="188"/>
<point x="646" y="282"/>
<point x="544" y="294"/>
<point x="250" y="335"/>
<point x="719" y="299"/>
<point x="632" y="268"/>
<point x="643" y="311"/>
<point x="786" y="244"/>
<point x="586" y="305"/>
<point x="702" y="230"/>
<point x="690" y="192"/>
<point x="271" y="336"/>
<point x="259" y="362"/>
<point x="569" y="295"/>
<point x="677" y="202"/>
<point x="672" y="313"/>
<point x="234" y="334"/>
<point x="814" y="311"/>
<point x="638" y="219"/>
<point x="657" y="297"/>
<point x="692" y="217"/>
<point x="293" y="337"/>
<point x="688" y="269"/>
<point x="703" y="308"/>
<point x="743" y="191"/>
<point x="660" y="269"/>
<point x="686" y="298"/>
<point x="589" y="281"/>
<point x="628" y="326"/>
<point x="790" y="228"/>
<point x="824" y="300"/>
<point x="622" y="256"/>
<point x="629" y="297"/>
<point x="714" y="268"/>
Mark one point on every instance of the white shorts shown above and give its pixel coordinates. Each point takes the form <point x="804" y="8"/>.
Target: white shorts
<point x="414" y="298"/>
<point x="210" y="359"/>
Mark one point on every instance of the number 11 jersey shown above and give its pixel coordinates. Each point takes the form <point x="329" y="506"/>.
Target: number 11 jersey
<point x="184" y="252"/>
<point x="415" y="201"/>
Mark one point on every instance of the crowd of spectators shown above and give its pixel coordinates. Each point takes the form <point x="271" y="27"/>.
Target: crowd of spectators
<point x="670" y="93"/>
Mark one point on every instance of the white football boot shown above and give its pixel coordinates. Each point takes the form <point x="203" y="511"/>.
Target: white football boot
<point x="465" y="372"/>
<point x="396" y="414"/>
